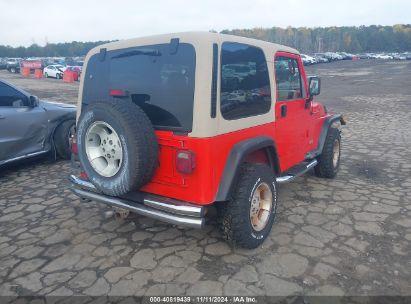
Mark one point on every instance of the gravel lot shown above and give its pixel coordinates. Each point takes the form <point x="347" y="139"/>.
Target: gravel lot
<point x="350" y="236"/>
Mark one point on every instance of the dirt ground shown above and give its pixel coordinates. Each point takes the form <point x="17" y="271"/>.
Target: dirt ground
<point x="45" y="88"/>
<point x="347" y="236"/>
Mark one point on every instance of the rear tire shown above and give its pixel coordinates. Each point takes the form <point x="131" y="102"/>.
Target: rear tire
<point x="61" y="138"/>
<point x="247" y="219"/>
<point x="329" y="160"/>
<point x="132" y="159"/>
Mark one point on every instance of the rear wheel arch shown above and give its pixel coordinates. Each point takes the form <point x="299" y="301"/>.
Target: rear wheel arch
<point x="242" y="152"/>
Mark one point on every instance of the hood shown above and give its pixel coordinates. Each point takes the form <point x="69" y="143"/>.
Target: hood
<point x="57" y="111"/>
<point x="49" y="105"/>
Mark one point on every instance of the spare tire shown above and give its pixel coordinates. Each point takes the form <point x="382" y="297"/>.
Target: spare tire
<point x="117" y="146"/>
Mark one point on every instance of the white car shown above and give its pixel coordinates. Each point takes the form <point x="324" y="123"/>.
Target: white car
<point x="383" y="56"/>
<point x="55" y="70"/>
<point x="307" y="59"/>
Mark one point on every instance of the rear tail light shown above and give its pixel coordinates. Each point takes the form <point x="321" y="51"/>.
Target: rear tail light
<point x="185" y="161"/>
<point x="73" y="144"/>
<point x="118" y="93"/>
<point x="83" y="175"/>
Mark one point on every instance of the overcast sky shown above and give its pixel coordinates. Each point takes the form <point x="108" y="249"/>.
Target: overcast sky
<point x="24" y="22"/>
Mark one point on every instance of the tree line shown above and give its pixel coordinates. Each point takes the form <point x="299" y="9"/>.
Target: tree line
<point x="67" y="49"/>
<point x="374" y="38"/>
<point x="353" y="39"/>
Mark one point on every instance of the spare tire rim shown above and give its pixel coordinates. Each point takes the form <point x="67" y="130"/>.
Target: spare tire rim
<point x="336" y="153"/>
<point x="261" y="206"/>
<point x="103" y="149"/>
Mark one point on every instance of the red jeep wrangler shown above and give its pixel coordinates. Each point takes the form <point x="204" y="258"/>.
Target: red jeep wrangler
<point x="169" y="125"/>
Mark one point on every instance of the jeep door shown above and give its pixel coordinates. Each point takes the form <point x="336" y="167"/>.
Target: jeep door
<point x="292" y="110"/>
<point x="23" y="127"/>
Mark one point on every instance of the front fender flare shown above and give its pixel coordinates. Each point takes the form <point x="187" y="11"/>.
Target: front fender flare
<point x="328" y="122"/>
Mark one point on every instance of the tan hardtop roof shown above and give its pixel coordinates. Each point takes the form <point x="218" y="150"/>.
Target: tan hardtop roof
<point x="203" y="124"/>
<point x="193" y="37"/>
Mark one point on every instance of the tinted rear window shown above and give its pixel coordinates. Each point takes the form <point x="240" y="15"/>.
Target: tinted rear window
<point x="159" y="80"/>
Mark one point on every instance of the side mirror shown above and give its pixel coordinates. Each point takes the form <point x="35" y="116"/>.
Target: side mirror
<point x="314" y="85"/>
<point x="34" y="101"/>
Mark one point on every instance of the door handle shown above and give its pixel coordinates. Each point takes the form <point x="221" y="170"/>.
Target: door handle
<point x="283" y="110"/>
<point x="2" y="117"/>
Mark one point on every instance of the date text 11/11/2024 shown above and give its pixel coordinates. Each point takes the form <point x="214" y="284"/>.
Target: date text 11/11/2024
<point x="203" y="299"/>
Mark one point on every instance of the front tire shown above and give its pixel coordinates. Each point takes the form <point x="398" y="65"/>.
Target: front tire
<point x="46" y="75"/>
<point x="247" y="219"/>
<point x="61" y="138"/>
<point x="329" y="160"/>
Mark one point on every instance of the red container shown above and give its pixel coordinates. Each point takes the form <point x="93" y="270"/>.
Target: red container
<point x="25" y="72"/>
<point x="68" y="76"/>
<point x="38" y="73"/>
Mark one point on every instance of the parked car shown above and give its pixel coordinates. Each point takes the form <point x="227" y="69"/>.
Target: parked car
<point x="400" y="56"/>
<point x="332" y="56"/>
<point x="383" y="56"/>
<point x="345" y="56"/>
<point x="13" y="65"/>
<point x="307" y="60"/>
<point x="3" y="64"/>
<point x="320" y="58"/>
<point x="76" y="70"/>
<point x="30" y="127"/>
<point x="55" y="71"/>
<point x="363" y="56"/>
<point x="154" y="135"/>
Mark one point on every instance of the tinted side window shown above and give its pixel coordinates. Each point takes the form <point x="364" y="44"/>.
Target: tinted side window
<point x="288" y="79"/>
<point x="245" y="83"/>
<point x="10" y="97"/>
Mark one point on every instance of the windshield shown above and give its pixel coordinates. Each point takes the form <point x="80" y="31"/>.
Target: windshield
<point x="159" y="80"/>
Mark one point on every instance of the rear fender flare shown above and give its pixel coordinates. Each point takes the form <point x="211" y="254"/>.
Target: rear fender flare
<point x="237" y="156"/>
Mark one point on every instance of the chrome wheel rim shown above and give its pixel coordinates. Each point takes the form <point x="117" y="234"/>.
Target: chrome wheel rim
<point x="261" y="206"/>
<point x="103" y="149"/>
<point x="336" y="153"/>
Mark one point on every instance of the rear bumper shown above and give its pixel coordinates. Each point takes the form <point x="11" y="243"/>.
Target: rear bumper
<point x="159" y="208"/>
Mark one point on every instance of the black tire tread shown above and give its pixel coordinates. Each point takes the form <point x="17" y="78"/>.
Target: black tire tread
<point x="60" y="138"/>
<point x="325" y="168"/>
<point x="231" y="213"/>
<point x="141" y="136"/>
